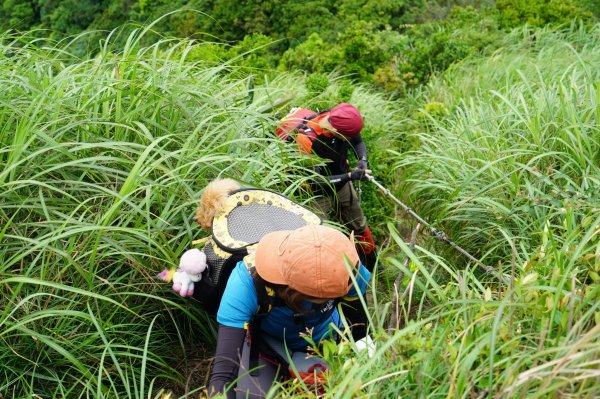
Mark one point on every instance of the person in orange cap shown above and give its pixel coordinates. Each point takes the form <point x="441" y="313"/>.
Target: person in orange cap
<point x="306" y="271"/>
<point x="333" y="135"/>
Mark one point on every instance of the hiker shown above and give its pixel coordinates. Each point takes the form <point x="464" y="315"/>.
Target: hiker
<point x="236" y="218"/>
<point x="332" y="135"/>
<point x="305" y="272"/>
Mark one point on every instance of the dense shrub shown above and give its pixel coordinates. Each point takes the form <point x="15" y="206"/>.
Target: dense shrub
<point x="314" y="55"/>
<point x="369" y="41"/>
<point x="515" y="13"/>
<point x="435" y="46"/>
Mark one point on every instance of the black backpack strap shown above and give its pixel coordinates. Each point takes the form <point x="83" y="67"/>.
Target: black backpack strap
<point x="265" y="297"/>
<point x="305" y="121"/>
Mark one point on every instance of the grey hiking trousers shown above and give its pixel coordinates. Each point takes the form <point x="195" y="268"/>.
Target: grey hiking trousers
<point x="343" y="205"/>
<point x="253" y="387"/>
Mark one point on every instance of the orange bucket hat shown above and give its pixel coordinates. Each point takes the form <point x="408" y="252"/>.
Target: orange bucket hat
<point x="311" y="260"/>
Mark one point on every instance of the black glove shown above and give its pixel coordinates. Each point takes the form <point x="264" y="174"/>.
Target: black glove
<point x="362" y="164"/>
<point x="359" y="174"/>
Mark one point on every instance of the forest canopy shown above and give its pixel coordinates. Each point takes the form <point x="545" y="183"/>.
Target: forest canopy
<point x="377" y="42"/>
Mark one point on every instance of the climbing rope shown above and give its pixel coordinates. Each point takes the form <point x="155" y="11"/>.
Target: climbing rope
<point x="438" y="233"/>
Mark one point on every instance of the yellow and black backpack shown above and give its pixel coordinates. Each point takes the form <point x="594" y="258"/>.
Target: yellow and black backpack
<point x="248" y="215"/>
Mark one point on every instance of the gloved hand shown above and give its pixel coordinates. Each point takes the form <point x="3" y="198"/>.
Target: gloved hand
<point x="362" y="164"/>
<point x="360" y="174"/>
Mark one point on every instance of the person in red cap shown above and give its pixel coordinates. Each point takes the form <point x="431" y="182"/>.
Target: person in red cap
<point x="332" y="135"/>
<point x="308" y="271"/>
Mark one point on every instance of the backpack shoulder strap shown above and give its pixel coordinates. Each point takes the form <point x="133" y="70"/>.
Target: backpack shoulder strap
<point x="292" y="121"/>
<point x="265" y="297"/>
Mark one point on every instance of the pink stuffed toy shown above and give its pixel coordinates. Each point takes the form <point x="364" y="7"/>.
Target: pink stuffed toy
<point x="191" y="266"/>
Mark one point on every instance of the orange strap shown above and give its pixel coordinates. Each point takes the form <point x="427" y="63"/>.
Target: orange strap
<point x="314" y="377"/>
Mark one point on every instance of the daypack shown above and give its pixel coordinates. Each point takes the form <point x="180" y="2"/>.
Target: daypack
<point x="248" y="215"/>
<point x="294" y="120"/>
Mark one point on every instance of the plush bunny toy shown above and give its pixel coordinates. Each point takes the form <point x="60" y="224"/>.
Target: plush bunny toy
<point x="191" y="266"/>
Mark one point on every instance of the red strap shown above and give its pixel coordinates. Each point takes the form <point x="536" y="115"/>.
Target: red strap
<point x="365" y="240"/>
<point x="314" y="377"/>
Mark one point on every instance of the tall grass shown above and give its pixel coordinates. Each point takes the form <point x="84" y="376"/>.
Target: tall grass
<point x="102" y="161"/>
<point x="103" y="158"/>
<point x="508" y="164"/>
<point x="510" y="172"/>
<point x="519" y="151"/>
<point x="536" y="338"/>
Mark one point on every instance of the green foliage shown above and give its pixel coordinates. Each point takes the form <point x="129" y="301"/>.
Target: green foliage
<point x="250" y="56"/>
<point x="211" y="54"/>
<point x="102" y="161"/>
<point x="253" y="53"/>
<point x="475" y="337"/>
<point x="520" y="153"/>
<point x="357" y="53"/>
<point x="313" y="55"/>
<point x="18" y="14"/>
<point x="383" y="13"/>
<point x="434" y="47"/>
<point x="514" y="13"/>
<point x="360" y="39"/>
<point x="591" y="6"/>
<point x="345" y="91"/>
<point x="70" y="16"/>
<point x="316" y="87"/>
<point x="296" y="21"/>
<point x="362" y="52"/>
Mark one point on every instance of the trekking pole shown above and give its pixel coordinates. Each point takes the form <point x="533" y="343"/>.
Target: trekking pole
<point x="438" y="233"/>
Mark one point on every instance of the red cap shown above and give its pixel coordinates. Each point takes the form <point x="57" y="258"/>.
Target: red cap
<point x="346" y="119"/>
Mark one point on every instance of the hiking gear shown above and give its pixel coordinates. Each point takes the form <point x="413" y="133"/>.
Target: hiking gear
<point x="277" y="103"/>
<point x="438" y="233"/>
<point x="333" y="150"/>
<point x="304" y="125"/>
<point x="365" y="240"/>
<point x="311" y="260"/>
<point x="362" y="164"/>
<point x="292" y="121"/>
<point x="241" y="291"/>
<point x="346" y="119"/>
<point x="359" y="174"/>
<point x="344" y="205"/>
<point x="247" y="215"/>
<point x="242" y="307"/>
<point x="365" y="246"/>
